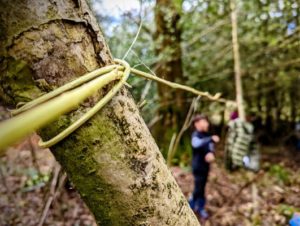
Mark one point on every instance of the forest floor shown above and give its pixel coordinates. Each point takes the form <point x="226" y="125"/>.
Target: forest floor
<point x="241" y="198"/>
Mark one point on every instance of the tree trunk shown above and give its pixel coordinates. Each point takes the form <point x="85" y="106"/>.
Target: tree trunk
<point x="237" y="62"/>
<point x="112" y="160"/>
<point x="167" y="39"/>
<point x="294" y="95"/>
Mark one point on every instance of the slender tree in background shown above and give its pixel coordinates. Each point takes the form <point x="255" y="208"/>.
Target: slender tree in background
<point x="112" y="160"/>
<point x="172" y="107"/>
<point x="237" y="62"/>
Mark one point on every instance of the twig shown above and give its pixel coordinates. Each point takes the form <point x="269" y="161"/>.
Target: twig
<point x="148" y="85"/>
<point x="208" y="30"/>
<point x="33" y="154"/>
<point x="173" y="85"/>
<point x="220" y="192"/>
<point x="184" y="127"/>
<point x="232" y="198"/>
<point x="154" y="121"/>
<point x="145" y="65"/>
<point x="170" y="150"/>
<point x="62" y="181"/>
<point x="134" y="40"/>
<point x="255" y="199"/>
<point x="52" y="195"/>
<point x="3" y="179"/>
<point x="11" y="197"/>
<point x="146" y="90"/>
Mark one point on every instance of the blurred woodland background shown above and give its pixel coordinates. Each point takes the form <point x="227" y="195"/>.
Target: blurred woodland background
<point x="188" y="42"/>
<point x="193" y="46"/>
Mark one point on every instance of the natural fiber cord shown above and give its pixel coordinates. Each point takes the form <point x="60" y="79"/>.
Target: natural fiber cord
<point x="41" y="111"/>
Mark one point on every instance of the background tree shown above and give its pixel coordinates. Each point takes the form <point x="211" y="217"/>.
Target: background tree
<point x="112" y="160"/>
<point x="167" y="37"/>
<point x="237" y="62"/>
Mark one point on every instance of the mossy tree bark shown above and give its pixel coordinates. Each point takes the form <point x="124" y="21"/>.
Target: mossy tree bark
<point x="167" y="39"/>
<point x="112" y="160"/>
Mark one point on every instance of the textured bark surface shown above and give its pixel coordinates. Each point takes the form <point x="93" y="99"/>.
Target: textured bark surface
<point x="168" y="38"/>
<point x="112" y="160"/>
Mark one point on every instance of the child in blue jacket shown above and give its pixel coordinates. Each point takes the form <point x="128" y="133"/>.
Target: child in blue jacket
<point x="203" y="155"/>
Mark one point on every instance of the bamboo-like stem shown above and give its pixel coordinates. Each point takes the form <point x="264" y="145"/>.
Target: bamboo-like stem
<point x="237" y="66"/>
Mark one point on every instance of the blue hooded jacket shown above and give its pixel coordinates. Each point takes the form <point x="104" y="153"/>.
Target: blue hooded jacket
<point x="202" y="144"/>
